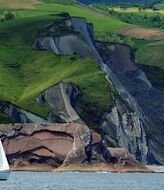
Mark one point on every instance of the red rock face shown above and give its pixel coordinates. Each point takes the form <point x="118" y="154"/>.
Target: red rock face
<point x="52" y="144"/>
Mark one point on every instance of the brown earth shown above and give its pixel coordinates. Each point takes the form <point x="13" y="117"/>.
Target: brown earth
<point x="142" y="33"/>
<point x="16" y="4"/>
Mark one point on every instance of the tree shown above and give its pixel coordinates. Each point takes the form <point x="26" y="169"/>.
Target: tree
<point x="9" y="15"/>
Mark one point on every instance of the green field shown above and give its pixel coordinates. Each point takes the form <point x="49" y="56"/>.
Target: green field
<point x="151" y="54"/>
<point x="101" y="22"/>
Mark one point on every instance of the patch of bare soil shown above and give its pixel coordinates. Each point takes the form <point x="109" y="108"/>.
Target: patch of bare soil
<point x="16" y="4"/>
<point x="142" y="33"/>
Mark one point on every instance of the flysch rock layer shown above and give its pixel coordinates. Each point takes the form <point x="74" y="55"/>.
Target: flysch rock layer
<point x="136" y="118"/>
<point x="52" y="144"/>
<point x="61" y="98"/>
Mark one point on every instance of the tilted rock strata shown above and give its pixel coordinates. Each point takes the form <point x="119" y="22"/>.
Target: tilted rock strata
<point x="52" y="144"/>
<point x="135" y="120"/>
<point x="138" y="122"/>
<point x="140" y="113"/>
<point x="20" y="115"/>
<point x="62" y="98"/>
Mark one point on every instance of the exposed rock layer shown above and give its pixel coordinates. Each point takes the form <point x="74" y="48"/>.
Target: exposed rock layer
<point x="52" y="144"/>
<point x="136" y="120"/>
<point x="140" y="116"/>
<point x="20" y="115"/>
<point x="62" y="99"/>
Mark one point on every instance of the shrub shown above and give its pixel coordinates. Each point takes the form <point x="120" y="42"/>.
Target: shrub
<point x="8" y="16"/>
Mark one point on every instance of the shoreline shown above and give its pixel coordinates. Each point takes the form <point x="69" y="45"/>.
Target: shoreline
<point x="92" y="168"/>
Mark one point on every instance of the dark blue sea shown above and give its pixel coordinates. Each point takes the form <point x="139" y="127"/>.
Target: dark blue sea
<point x="83" y="181"/>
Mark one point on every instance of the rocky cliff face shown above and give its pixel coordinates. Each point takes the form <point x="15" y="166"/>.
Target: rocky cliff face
<point x="134" y="120"/>
<point x="123" y="128"/>
<point x="62" y="99"/>
<point x="143" y="101"/>
<point x="20" y="115"/>
<point x="52" y="144"/>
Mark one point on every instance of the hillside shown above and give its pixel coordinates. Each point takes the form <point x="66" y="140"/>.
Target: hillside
<point x="58" y="67"/>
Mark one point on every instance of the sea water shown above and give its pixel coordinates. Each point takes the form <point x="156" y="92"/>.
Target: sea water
<point x="83" y="181"/>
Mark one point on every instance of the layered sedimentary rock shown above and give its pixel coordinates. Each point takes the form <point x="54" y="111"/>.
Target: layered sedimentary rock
<point x="20" y="115"/>
<point x="140" y="127"/>
<point x="52" y="144"/>
<point x="134" y="121"/>
<point x="62" y="99"/>
<point x="122" y="127"/>
<point x="136" y="118"/>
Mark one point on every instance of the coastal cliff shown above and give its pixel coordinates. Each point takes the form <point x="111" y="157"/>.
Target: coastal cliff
<point x="60" y="147"/>
<point x="131" y="122"/>
<point x="135" y="118"/>
<point x="52" y="144"/>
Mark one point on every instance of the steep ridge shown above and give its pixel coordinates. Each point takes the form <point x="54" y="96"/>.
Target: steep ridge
<point x="137" y="94"/>
<point x="148" y="99"/>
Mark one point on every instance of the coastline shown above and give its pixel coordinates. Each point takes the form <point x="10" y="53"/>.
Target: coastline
<point x="100" y="167"/>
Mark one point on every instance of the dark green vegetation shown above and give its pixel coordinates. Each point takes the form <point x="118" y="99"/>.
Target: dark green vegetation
<point x="5" y="120"/>
<point x="155" y="75"/>
<point x="151" y="53"/>
<point x="8" y="16"/>
<point x="143" y="19"/>
<point x="65" y="2"/>
<point x="120" y="2"/>
<point x="118" y="38"/>
<point x="155" y="20"/>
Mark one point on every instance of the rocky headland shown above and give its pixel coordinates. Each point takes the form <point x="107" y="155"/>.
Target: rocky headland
<point x="134" y="122"/>
<point x="62" y="147"/>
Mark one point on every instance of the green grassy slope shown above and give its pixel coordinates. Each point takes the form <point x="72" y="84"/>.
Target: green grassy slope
<point x="101" y="22"/>
<point x="150" y="57"/>
<point x="25" y="72"/>
<point x="151" y="53"/>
